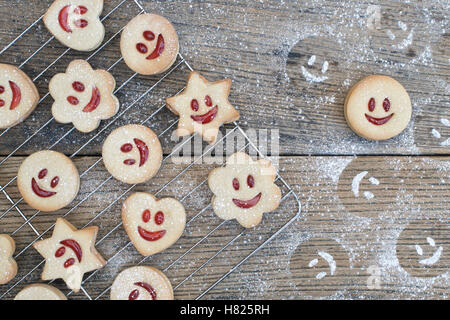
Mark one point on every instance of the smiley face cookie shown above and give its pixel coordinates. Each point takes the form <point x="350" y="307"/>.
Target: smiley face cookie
<point x="378" y="108"/>
<point x="48" y="180"/>
<point x="18" y="96"/>
<point x="8" y="266"/>
<point x="149" y="44"/>
<point x="76" y="23"/>
<point x="203" y="107"/>
<point x="152" y="224"/>
<point x="244" y="189"/>
<point x="141" y="283"/>
<point x="69" y="253"/>
<point x="132" y="154"/>
<point x="40" y="291"/>
<point x="83" y="96"/>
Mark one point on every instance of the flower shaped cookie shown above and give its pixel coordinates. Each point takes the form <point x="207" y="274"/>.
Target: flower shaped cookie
<point x="83" y="96"/>
<point x="8" y="266"/>
<point x="244" y="189"/>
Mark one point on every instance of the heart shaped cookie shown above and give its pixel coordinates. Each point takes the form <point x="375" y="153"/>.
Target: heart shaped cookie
<point x="152" y="224"/>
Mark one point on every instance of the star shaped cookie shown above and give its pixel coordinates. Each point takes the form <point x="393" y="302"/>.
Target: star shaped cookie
<point x="69" y="254"/>
<point x="203" y="107"/>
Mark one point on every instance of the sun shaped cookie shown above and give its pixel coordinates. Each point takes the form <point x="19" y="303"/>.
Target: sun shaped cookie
<point x="152" y="224"/>
<point x="76" y="23"/>
<point x="18" y="96"/>
<point x="83" y="96"/>
<point x="40" y="291"/>
<point x="244" y="189"/>
<point x="203" y="107"/>
<point x="8" y="266"/>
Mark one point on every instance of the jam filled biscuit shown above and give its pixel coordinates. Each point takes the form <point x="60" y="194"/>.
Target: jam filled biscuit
<point x="141" y="283"/>
<point x="203" y="107"/>
<point x="149" y="44"/>
<point x="8" y="266"/>
<point x="244" y="189"/>
<point x="48" y="180"/>
<point x="83" y="96"/>
<point x="152" y="224"/>
<point x="76" y="23"/>
<point x="69" y="254"/>
<point x="40" y="291"/>
<point x="378" y="108"/>
<point x="18" y="96"/>
<point x="132" y="154"/>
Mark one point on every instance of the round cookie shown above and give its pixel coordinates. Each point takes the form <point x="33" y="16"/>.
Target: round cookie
<point x="141" y="283"/>
<point x="378" y="108"/>
<point x="48" y="180"/>
<point x="153" y="225"/>
<point x="132" y="154"/>
<point x="149" y="44"/>
<point x="40" y="291"/>
<point x="18" y="96"/>
<point x="8" y="266"/>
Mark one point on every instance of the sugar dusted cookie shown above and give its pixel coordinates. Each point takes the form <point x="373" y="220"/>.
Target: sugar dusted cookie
<point x="8" y="266"/>
<point x="149" y="44"/>
<point x="40" y="291"/>
<point x="152" y="224"/>
<point x="132" y="154"/>
<point x="48" y="180"/>
<point x="141" y="283"/>
<point x="244" y="189"/>
<point x="203" y="107"/>
<point x="378" y="108"/>
<point x="69" y="254"/>
<point x="18" y="96"/>
<point x="76" y="23"/>
<point x="83" y="96"/>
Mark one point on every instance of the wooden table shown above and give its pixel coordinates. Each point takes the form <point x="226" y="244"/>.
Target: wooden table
<point x="291" y="65"/>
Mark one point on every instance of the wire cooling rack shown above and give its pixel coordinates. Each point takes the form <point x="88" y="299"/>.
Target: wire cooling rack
<point x="200" y="261"/>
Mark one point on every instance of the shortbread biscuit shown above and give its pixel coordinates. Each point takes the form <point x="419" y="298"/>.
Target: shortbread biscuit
<point x="132" y="154"/>
<point x="141" y="283"/>
<point x="8" y="266"/>
<point x="18" y="96"/>
<point x="83" y="96"/>
<point x="378" y="108"/>
<point x="152" y="224"/>
<point x="48" y="180"/>
<point x="69" y="254"/>
<point x="76" y="23"/>
<point x="244" y="189"/>
<point x="149" y="44"/>
<point x="203" y="107"/>
<point x="40" y="291"/>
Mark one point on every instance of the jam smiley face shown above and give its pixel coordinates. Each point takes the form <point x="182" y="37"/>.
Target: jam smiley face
<point x="83" y="96"/>
<point x="132" y="154"/>
<point x="244" y="189"/>
<point x="18" y="96"/>
<point x="69" y="253"/>
<point x="203" y="107"/>
<point x="149" y="44"/>
<point x="141" y="283"/>
<point x="76" y="23"/>
<point x="48" y="180"/>
<point x="8" y="266"/>
<point x="152" y="224"/>
<point x="378" y="108"/>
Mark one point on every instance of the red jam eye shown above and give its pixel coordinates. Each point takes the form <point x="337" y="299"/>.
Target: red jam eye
<point x="2" y="103"/>
<point x="80" y="10"/>
<point x="2" y="89"/>
<point x="42" y="173"/>
<point x="208" y="101"/>
<point x="159" y="218"/>
<point x="54" y="182"/>
<point x="146" y="216"/>
<point x="81" y="23"/>
<point x="386" y="105"/>
<point x="250" y="181"/>
<point x="73" y="100"/>
<point x="127" y="147"/>
<point x="194" y="105"/>
<point x="236" y="184"/>
<point x="78" y="86"/>
<point x="129" y="162"/>
<point x="371" y="104"/>
<point x="148" y="35"/>
<point x="69" y="262"/>
<point x="60" y="252"/>
<point x="142" y="48"/>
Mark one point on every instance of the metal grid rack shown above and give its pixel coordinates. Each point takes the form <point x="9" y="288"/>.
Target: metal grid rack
<point x="236" y="129"/>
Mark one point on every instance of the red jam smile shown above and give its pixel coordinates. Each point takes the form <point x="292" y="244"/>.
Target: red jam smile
<point x="207" y="117"/>
<point x="39" y="191"/>
<point x="143" y="151"/>
<point x="158" y="50"/>
<point x="151" y="236"/>
<point x="135" y="293"/>
<point x="378" y="121"/>
<point x="95" y="100"/>
<point x="17" y="95"/>
<point x="247" y="204"/>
